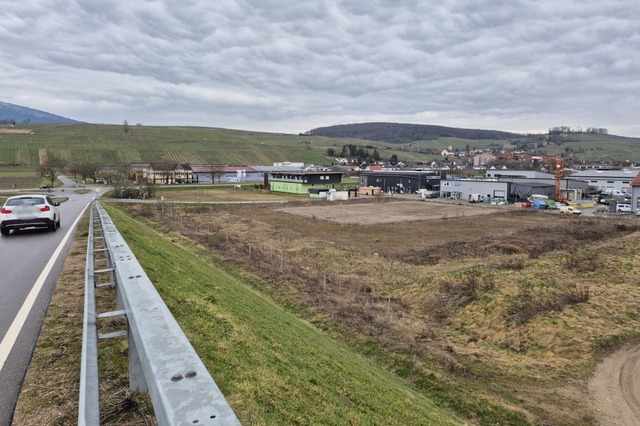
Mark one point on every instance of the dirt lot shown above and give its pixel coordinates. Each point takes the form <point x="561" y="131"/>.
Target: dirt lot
<point x="390" y="212"/>
<point x="511" y="305"/>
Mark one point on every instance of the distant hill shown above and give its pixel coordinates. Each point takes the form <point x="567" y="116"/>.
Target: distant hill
<point x="403" y="133"/>
<point x="19" y="114"/>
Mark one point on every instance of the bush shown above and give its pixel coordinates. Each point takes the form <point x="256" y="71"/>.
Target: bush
<point x="552" y="297"/>
<point x="585" y="261"/>
<point x="514" y="262"/>
<point x="458" y="290"/>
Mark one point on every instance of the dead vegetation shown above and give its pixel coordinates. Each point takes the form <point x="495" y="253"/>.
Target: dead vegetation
<point x="504" y="302"/>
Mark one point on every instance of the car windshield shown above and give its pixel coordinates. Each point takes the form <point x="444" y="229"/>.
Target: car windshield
<point x="26" y="201"/>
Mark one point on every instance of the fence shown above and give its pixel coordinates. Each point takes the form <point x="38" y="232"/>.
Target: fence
<point x="161" y="359"/>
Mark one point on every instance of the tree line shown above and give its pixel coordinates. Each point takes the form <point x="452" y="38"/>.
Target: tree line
<point x="404" y="133"/>
<point x="359" y="155"/>
<point x="589" y="130"/>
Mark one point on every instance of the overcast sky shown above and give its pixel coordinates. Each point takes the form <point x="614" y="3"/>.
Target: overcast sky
<point x="291" y="66"/>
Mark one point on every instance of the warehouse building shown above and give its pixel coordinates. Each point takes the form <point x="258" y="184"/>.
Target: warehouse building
<point x="403" y="182"/>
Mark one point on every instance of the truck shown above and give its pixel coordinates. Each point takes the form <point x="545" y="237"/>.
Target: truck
<point x="569" y="210"/>
<point x="424" y="193"/>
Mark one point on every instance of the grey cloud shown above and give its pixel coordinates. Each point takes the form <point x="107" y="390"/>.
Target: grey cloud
<point x="273" y="63"/>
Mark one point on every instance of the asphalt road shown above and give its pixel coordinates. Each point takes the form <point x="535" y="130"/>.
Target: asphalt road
<point x="30" y="262"/>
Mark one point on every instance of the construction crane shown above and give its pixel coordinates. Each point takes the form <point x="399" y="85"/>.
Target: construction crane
<point x="558" y="169"/>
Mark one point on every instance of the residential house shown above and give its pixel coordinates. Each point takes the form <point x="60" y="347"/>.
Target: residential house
<point x="162" y="173"/>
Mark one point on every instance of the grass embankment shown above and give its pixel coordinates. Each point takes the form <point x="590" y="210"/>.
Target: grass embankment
<point x="272" y="367"/>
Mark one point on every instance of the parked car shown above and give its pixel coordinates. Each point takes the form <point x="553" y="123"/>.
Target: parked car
<point x="45" y="187"/>
<point x="29" y="211"/>
<point x="623" y="208"/>
<point x="569" y="210"/>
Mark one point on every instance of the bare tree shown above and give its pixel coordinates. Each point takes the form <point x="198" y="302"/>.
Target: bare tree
<point x="148" y="188"/>
<point x="85" y="170"/>
<point x="216" y="171"/>
<point x="119" y="179"/>
<point x="125" y="127"/>
<point x="52" y="167"/>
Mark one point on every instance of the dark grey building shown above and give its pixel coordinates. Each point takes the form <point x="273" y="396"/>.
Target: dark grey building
<point x="403" y="182"/>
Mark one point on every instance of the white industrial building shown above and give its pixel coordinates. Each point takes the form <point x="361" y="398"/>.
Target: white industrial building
<point x="608" y="179"/>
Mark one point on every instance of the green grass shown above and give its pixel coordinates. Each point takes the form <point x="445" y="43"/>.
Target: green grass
<point x="272" y="367"/>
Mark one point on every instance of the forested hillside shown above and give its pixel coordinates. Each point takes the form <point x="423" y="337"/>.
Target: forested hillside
<point x="403" y="133"/>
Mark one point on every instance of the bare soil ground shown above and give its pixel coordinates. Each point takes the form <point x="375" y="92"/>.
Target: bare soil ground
<point x="16" y="131"/>
<point x="616" y="389"/>
<point x="513" y="305"/>
<point x="389" y="212"/>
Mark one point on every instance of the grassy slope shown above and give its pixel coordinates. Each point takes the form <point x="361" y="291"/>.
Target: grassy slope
<point x="273" y="368"/>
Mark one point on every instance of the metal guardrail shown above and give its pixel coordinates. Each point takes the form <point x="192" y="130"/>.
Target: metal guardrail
<point x="161" y="359"/>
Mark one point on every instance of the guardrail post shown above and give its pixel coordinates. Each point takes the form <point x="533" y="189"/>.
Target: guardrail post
<point x="137" y="381"/>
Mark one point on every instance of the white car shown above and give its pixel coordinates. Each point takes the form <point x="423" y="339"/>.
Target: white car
<point x="569" y="210"/>
<point x="623" y="207"/>
<point x="29" y="211"/>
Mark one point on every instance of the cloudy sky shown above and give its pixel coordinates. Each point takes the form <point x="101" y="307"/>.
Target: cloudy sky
<point x="290" y="66"/>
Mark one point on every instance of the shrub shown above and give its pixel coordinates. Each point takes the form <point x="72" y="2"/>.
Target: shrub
<point x="584" y="261"/>
<point x="513" y="262"/>
<point x="538" y="300"/>
<point x="508" y="248"/>
<point x="459" y="289"/>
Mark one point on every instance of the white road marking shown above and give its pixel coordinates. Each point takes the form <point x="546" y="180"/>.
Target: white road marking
<point x="18" y="322"/>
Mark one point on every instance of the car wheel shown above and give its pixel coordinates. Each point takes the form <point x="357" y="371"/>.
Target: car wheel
<point x="53" y="227"/>
<point x="4" y="231"/>
<point x="58" y="224"/>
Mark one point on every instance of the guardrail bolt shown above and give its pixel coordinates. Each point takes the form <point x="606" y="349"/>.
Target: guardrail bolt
<point x="190" y="374"/>
<point x="176" y="377"/>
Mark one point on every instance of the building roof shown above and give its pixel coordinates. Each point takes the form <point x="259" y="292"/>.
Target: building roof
<point x="605" y="174"/>
<point x="309" y="172"/>
<point x="206" y="168"/>
<point x="271" y="169"/>
<point x="636" y="180"/>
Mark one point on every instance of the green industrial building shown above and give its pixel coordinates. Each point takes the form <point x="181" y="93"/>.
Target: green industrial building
<point x="301" y="182"/>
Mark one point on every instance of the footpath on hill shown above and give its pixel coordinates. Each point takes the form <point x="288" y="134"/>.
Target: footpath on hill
<point x="615" y="388"/>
